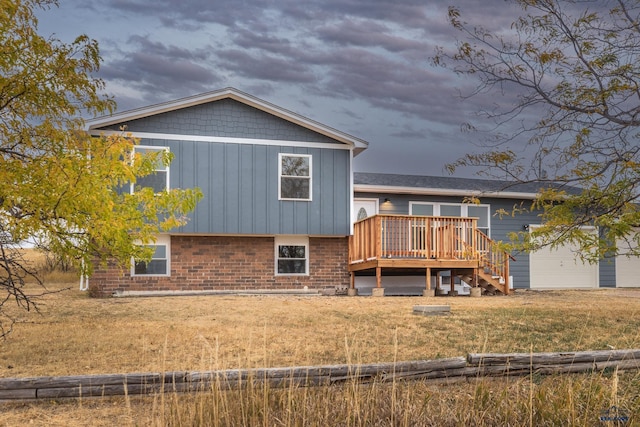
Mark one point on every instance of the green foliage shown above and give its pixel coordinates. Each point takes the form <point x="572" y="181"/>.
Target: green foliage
<point x="60" y="185"/>
<point x="572" y="72"/>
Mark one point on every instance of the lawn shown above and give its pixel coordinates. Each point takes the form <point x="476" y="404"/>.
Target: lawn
<point x="74" y="334"/>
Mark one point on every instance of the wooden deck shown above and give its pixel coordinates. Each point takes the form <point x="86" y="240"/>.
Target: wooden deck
<point x="433" y="244"/>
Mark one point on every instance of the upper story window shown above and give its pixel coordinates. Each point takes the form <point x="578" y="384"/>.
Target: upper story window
<point x="463" y="210"/>
<point x="294" y="171"/>
<point x="159" y="180"/>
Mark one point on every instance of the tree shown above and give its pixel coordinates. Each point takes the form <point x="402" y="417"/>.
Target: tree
<point x="58" y="185"/>
<point x="571" y="73"/>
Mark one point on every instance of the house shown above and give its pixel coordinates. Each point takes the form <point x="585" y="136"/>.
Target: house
<point x="277" y="199"/>
<point x="284" y="211"/>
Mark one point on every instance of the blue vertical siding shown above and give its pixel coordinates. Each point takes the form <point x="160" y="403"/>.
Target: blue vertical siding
<point x="240" y="187"/>
<point x="240" y="181"/>
<point x="607" y="272"/>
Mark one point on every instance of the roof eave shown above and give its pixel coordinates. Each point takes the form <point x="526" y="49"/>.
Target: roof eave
<point x="366" y="188"/>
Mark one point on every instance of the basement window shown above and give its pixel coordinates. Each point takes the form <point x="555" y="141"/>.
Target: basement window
<point x="159" y="263"/>
<point x="292" y="255"/>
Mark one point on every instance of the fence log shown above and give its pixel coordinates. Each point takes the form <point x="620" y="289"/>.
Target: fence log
<point x="329" y="371"/>
<point x="620" y="364"/>
<point x="551" y="358"/>
<point x="437" y="371"/>
<point x="21" y="394"/>
<point x="90" y="380"/>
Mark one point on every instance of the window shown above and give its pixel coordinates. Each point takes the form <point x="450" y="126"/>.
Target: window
<point x="451" y="210"/>
<point x="292" y="255"/>
<point x="159" y="180"/>
<point x="295" y="176"/>
<point x="423" y="209"/>
<point x="463" y="210"/>
<point x="482" y="213"/>
<point x="159" y="263"/>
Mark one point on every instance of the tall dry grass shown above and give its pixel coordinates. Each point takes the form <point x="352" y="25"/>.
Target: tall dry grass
<point x="74" y="334"/>
<point x="577" y="400"/>
<point x="560" y="400"/>
<point x="51" y="268"/>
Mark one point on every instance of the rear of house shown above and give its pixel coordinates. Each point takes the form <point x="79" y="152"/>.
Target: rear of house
<point x="280" y="200"/>
<point x="277" y="197"/>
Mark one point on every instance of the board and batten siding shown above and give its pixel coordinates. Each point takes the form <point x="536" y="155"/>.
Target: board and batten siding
<point x="239" y="179"/>
<point x="239" y="183"/>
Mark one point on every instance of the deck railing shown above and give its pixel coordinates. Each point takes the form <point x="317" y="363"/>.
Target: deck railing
<point x="425" y="237"/>
<point x="492" y="260"/>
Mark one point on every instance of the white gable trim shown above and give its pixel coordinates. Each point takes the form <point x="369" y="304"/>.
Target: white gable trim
<point x="220" y="139"/>
<point x="356" y="143"/>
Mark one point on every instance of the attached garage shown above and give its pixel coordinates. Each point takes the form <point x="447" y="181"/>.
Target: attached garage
<point x="560" y="268"/>
<point x="627" y="268"/>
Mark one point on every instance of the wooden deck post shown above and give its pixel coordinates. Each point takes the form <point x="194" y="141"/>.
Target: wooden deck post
<point x="378" y="291"/>
<point x="352" y="291"/>
<point x="506" y="276"/>
<point x="428" y="292"/>
<point x="476" y="290"/>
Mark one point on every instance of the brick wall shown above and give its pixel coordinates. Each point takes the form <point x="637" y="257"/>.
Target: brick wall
<point x="231" y="263"/>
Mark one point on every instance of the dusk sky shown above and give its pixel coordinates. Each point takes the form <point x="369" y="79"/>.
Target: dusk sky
<point x="362" y="67"/>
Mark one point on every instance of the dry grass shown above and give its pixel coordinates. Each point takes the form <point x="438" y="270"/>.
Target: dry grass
<point x="74" y="334"/>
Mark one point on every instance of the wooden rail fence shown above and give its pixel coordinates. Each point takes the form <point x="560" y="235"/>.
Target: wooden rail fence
<point x="451" y="369"/>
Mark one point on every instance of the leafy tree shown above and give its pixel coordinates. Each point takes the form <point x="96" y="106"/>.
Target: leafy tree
<point x="58" y="185"/>
<point x="569" y="72"/>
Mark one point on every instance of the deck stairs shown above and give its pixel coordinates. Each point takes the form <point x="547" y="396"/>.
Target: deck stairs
<point x="490" y="284"/>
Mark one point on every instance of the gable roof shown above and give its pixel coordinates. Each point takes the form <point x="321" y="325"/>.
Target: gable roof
<point x="231" y="93"/>
<point x="445" y="186"/>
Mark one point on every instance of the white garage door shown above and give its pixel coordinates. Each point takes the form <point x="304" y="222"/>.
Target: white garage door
<point x="627" y="268"/>
<point x="560" y="269"/>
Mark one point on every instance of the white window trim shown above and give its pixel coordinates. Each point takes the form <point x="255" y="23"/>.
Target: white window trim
<point x="161" y="240"/>
<point x="310" y="178"/>
<point x="166" y="168"/>
<point x="291" y="240"/>
<point x="464" y="212"/>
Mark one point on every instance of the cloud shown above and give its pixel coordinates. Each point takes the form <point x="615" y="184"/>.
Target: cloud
<point x="157" y="69"/>
<point x="194" y="14"/>
<point x="363" y="33"/>
<point x="362" y="66"/>
<point x="264" y="67"/>
<point x="376" y="50"/>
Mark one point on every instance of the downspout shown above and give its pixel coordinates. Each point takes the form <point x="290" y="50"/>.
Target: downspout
<point x="84" y="279"/>
<point x="351" y="190"/>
